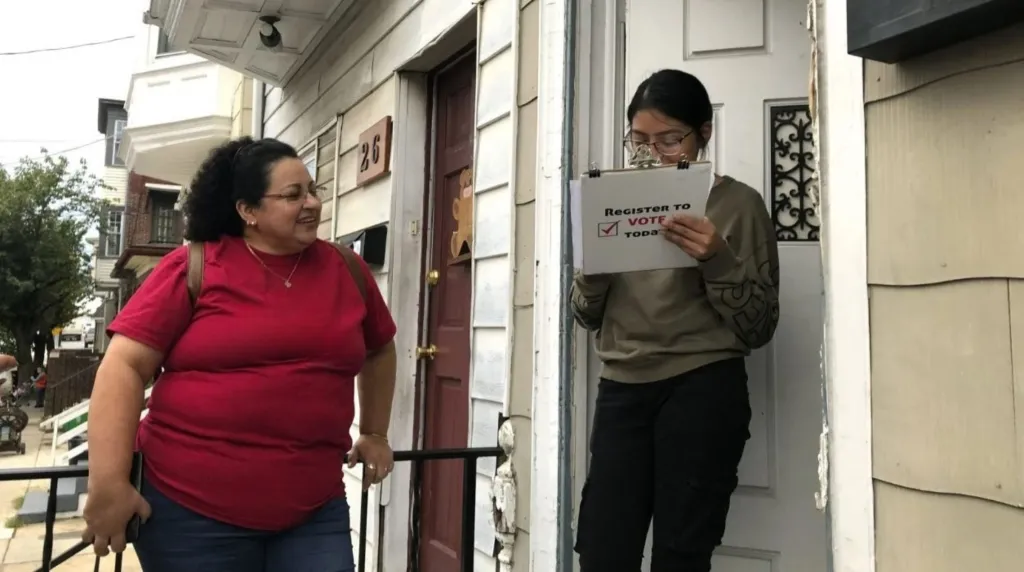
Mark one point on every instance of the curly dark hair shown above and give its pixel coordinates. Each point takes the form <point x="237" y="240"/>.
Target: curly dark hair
<point x="236" y="171"/>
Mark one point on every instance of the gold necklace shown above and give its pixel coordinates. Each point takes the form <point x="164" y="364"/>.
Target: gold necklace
<point x="288" y="280"/>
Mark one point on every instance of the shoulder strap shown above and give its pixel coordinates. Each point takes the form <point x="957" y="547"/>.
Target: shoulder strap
<point x="354" y="268"/>
<point x="194" y="276"/>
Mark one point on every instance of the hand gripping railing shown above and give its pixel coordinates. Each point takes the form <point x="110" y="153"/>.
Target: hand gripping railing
<point x="469" y="459"/>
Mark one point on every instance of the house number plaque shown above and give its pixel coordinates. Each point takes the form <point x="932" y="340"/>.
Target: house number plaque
<point x="373" y="159"/>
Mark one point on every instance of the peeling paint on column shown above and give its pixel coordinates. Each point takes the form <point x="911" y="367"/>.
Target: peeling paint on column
<point x="821" y="496"/>
<point x="503" y="498"/>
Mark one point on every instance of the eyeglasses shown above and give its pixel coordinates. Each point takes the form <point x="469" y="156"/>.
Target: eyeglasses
<point x="666" y="145"/>
<point x="296" y="197"/>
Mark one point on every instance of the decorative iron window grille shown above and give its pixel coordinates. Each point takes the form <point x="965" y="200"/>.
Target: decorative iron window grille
<point x="791" y="142"/>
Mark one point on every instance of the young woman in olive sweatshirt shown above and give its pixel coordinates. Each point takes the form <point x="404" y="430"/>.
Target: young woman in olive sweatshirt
<point x="673" y="409"/>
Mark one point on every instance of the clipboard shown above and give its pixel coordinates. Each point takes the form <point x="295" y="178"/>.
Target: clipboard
<point x="616" y="216"/>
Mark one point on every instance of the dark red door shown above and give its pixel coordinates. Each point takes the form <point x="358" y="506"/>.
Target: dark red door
<point x="446" y="414"/>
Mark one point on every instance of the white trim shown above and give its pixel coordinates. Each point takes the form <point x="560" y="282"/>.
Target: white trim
<point x="310" y="149"/>
<point x="258" y="101"/>
<point x="600" y="110"/>
<point x="844" y="262"/>
<point x="513" y="180"/>
<point x="339" y="120"/>
<point x="475" y="54"/>
<point x="163" y="187"/>
<point x="544" y="508"/>
<point x="404" y="291"/>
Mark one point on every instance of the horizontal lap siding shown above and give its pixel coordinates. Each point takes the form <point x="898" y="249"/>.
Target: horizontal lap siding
<point x="946" y="307"/>
<point x="492" y="246"/>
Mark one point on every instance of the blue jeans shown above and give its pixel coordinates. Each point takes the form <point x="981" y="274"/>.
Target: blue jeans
<point x="176" y="539"/>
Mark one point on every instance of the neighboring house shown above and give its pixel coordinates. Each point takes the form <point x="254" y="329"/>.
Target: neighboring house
<point x="111" y="122"/>
<point x="492" y="96"/>
<point x="180" y="107"/>
<point x="153" y="228"/>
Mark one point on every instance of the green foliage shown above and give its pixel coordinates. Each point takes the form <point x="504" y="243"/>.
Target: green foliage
<point x="46" y="209"/>
<point x="7" y="344"/>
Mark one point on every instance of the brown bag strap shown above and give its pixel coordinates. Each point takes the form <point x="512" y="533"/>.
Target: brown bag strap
<point x="354" y="268"/>
<point x="194" y="276"/>
<point x="196" y="261"/>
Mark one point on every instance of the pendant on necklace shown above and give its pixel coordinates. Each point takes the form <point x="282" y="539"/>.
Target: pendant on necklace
<point x="287" y="284"/>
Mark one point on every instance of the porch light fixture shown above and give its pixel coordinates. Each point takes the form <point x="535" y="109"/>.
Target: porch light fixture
<point x="270" y="36"/>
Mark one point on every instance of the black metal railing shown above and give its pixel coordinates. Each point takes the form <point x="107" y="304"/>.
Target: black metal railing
<point x="70" y="390"/>
<point x="469" y="458"/>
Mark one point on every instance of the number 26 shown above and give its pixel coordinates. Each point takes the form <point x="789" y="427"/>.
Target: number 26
<point x="369" y="153"/>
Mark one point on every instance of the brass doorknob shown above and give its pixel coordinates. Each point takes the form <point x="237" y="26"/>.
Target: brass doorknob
<point x="427" y="352"/>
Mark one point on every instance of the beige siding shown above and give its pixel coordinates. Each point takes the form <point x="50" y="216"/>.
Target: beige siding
<point x="944" y="134"/>
<point x="115" y="181"/>
<point x="241" y="107"/>
<point x="102" y="270"/>
<point x="383" y="37"/>
<point x="368" y="205"/>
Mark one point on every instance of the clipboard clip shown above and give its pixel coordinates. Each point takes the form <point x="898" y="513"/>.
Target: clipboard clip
<point x="594" y="171"/>
<point x="683" y="164"/>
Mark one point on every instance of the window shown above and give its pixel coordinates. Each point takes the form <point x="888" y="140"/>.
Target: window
<point x="163" y="43"/>
<point x="164" y="222"/>
<point x="112" y="247"/>
<point x="309" y="159"/>
<point x="118" y="135"/>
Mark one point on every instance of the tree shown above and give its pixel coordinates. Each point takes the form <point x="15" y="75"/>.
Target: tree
<point x="46" y="208"/>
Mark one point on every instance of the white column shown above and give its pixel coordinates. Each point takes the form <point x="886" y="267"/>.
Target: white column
<point x="850" y="494"/>
<point x="544" y="504"/>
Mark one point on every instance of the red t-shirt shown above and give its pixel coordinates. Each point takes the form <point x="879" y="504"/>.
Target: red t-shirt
<point x="250" y="420"/>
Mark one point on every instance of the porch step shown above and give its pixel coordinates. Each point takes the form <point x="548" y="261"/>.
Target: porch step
<point x="33" y="510"/>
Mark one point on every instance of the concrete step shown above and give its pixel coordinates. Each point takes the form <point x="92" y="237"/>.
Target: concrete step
<point x="33" y="510"/>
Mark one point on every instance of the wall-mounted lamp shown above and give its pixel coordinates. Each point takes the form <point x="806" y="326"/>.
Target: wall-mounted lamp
<point x="270" y="36"/>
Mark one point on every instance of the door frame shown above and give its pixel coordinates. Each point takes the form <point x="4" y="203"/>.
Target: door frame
<point x="601" y="115"/>
<point x="410" y="172"/>
<point x="411" y="205"/>
<point x="461" y="55"/>
<point x="848" y="488"/>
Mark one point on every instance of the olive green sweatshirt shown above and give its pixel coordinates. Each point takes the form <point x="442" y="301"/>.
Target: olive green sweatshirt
<point x="657" y="324"/>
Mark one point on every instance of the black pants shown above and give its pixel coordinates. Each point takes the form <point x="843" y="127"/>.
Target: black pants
<point x="667" y="450"/>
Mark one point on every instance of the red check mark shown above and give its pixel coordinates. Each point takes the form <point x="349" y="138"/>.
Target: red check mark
<point x="608" y="229"/>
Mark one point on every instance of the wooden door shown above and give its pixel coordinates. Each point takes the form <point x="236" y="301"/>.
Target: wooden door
<point x="446" y="395"/>
<point x="753" y="57"/>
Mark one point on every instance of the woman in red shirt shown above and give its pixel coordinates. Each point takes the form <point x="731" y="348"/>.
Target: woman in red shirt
<point x="249" y="423"/>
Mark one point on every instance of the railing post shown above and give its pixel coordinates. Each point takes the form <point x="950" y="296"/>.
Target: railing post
<point x="468" y="511"/>
<point x="364" y="500"/>
<point x="51" y="518"/>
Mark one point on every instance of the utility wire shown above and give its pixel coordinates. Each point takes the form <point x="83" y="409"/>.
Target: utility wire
<point x="33" y="141"/>
<point x="37" y="157"/>
<point x="71" y="47"/>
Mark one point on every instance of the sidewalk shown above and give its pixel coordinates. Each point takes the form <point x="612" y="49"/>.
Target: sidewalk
<point x="22" y="547"/>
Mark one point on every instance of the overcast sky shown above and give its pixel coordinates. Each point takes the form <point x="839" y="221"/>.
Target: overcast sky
<point x="50" y="99"/>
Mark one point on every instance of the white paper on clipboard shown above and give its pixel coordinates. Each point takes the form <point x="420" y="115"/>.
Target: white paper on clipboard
<point x="617" y="216"/>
